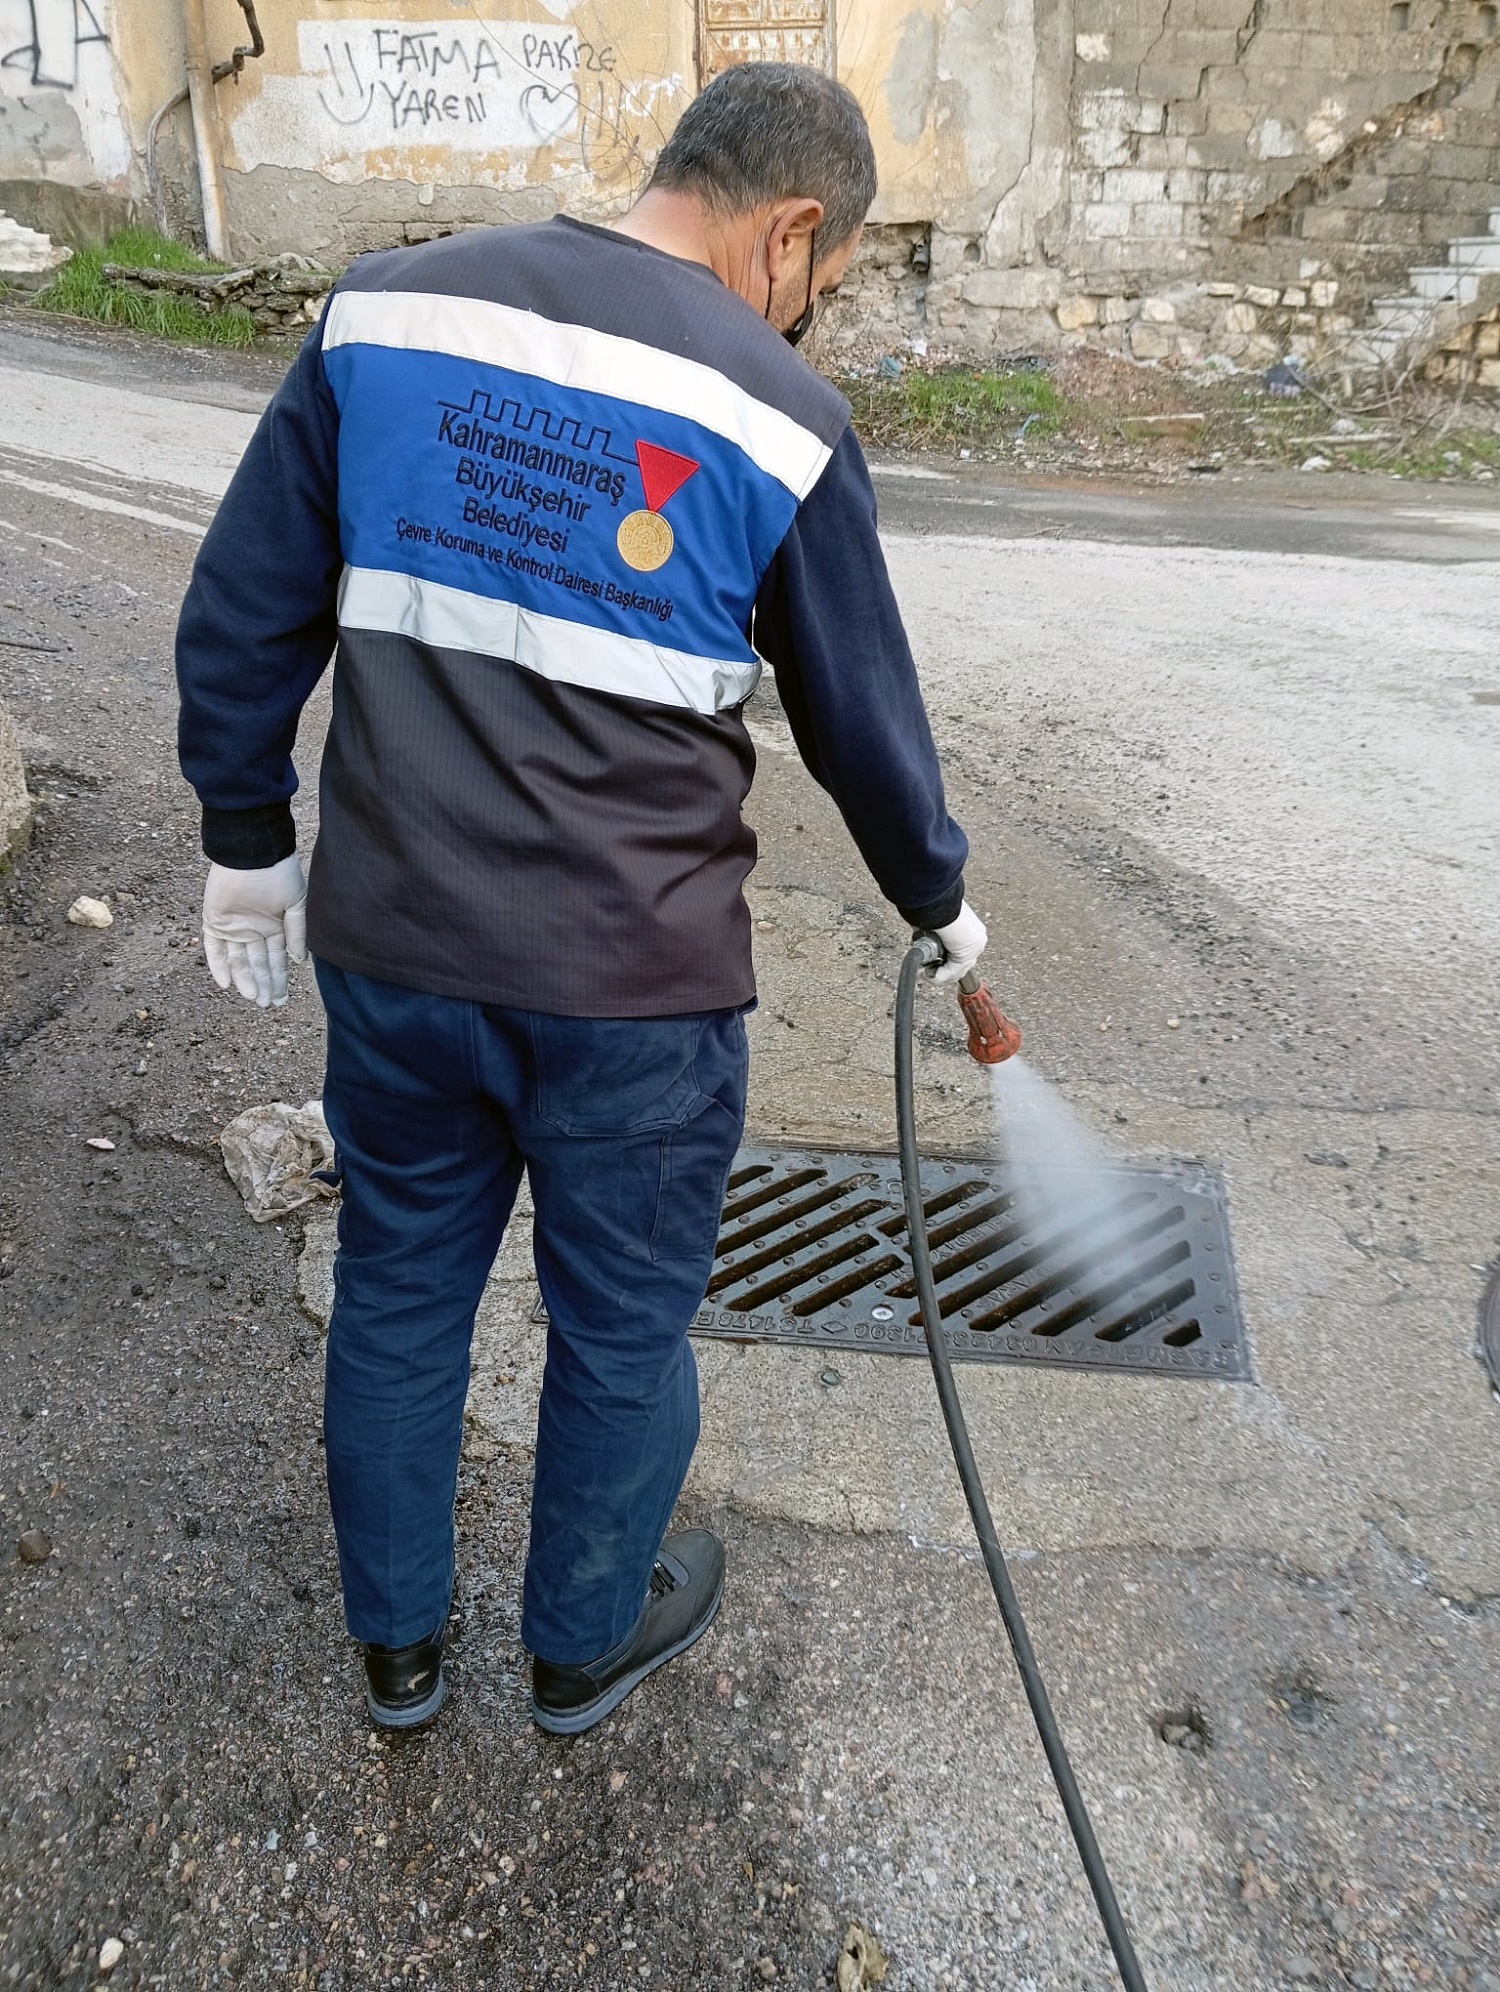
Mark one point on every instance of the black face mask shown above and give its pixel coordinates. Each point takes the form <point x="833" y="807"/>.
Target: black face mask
<point x="795" y="334"/>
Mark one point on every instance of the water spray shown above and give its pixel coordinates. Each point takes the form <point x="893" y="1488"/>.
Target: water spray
<point x="992" y="1039"/>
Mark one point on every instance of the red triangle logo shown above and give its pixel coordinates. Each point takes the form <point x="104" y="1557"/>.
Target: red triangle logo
<point x="662" y="473"/>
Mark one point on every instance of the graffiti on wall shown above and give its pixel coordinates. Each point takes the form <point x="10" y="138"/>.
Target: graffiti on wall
<point x="55" y="56"/>
<point x="474" y="85"/>
<point x="484" y="91"/>
<point x="55" y="31"/>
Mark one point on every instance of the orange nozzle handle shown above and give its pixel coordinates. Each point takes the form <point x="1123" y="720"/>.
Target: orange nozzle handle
<point x="992" y="1035"/>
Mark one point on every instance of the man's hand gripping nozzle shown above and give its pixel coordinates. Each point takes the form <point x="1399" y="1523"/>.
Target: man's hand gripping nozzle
<point x="952" y="953"/>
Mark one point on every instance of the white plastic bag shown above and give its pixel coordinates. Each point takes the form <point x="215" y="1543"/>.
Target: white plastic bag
<point x="271" y="1153"/>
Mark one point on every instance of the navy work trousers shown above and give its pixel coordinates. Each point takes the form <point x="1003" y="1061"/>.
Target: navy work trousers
<point x="626" y="1129"/>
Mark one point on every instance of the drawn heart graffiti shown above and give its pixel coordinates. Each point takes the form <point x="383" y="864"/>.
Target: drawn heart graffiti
<point x="549" y="112"/>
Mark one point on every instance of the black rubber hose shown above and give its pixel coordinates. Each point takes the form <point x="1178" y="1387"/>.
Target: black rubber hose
<point x="923" y="951"/>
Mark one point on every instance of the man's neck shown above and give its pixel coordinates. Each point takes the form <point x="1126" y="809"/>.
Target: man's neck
<point x="680" y="226"/>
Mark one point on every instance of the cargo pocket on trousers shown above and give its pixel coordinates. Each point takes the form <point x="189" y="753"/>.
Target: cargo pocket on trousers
<point x="695" y="1164"/>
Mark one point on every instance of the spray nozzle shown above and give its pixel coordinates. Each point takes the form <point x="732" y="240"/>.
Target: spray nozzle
<point x="992" y="1036"/>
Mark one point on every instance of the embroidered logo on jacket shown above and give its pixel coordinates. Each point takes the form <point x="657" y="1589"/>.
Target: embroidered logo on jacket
<point x="645" y="539"/>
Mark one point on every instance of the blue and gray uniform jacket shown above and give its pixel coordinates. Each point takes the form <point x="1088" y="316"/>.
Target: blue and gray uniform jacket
<point x="548" y="492"/>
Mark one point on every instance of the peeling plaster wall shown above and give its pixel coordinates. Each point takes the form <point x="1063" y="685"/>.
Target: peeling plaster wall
<point x="62" y="124"/>
<point x="1169" y="144"/>
<point x="1195" y="120"/>
<point x="394" y="123"/>
<point x="1046" y="165"/>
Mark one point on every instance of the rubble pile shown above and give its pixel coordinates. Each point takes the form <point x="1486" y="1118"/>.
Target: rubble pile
<point x="281" y="296"/>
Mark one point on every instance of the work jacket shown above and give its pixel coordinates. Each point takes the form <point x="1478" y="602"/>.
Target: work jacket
<point x="550" y="495"/>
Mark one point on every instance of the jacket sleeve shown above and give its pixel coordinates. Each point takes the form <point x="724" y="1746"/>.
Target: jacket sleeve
<point x="827" y="623"/>
<point x="259" y="622"/>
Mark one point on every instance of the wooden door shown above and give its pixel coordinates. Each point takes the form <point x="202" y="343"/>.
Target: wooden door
<point x="731" y="31"/>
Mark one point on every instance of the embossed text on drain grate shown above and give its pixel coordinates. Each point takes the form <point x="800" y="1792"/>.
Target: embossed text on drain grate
<point x="812" y="1251"/>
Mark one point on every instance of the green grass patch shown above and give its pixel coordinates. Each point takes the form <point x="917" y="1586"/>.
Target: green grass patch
<point x="1096" y="413"/>
<point x="935" y="410"/>
<point x="1455" y="453"/>
<point x="82" y="290"/>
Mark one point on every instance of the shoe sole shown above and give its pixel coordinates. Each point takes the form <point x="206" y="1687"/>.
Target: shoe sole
<point x="576" y="1720"/>
<point x="416" y="1715"/>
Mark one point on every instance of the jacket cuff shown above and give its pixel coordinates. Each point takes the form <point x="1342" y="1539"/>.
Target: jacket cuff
<point x="249" y="839"/>
<point x="939" y="914"/>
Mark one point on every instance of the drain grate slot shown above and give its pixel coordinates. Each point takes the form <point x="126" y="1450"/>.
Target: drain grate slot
<point x="1110" y="1249"/>
<point x="792" y="1216"/>
<point x="1107" y="1244"/>
<point x="754" y="1261"/>
<point x="939" y="1234"/>
<point x="813" y="1252"/>
<point x="768" y="1191"/>
<point x="807" y="1271"/>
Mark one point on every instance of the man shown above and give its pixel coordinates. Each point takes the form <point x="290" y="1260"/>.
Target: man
<point x="548" y="490"/>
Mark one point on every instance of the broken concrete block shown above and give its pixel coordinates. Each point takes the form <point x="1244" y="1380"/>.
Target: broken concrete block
<point x="28" y="258"/>
<point x="16" y="806"/>
<point x="1160" y="425"/>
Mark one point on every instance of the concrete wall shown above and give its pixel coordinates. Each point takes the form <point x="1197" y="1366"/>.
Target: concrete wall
<point x="1047" y="165"/>
<point x="65" y="149"/>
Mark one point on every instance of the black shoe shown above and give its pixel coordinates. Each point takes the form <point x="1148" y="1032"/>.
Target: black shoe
<point x="687" y="1583"/>
<point x="404" y="1685"/>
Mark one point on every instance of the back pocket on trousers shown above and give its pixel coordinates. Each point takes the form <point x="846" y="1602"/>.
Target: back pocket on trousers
<point x="616" y="1075"/>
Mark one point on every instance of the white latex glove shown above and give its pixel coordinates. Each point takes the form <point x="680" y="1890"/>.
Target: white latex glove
<point x="964" y="941"/>
<point x="254" y="922"/>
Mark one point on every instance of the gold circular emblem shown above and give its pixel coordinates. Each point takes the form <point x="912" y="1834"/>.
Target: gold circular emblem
<point x="645" y="541"/>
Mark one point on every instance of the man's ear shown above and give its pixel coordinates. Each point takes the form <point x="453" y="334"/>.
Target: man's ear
<point x="792" y="222"/>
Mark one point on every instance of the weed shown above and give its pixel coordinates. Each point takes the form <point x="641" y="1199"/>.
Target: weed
<point x="81" y="289"/>
<point x="932" y="410"/>
<point x="1090" y="411"/>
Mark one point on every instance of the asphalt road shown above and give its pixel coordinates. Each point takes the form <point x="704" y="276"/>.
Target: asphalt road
<point x="1227" y="755"/>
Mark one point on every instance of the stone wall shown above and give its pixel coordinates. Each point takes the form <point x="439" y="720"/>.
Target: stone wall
<point x="282" y="297"/>
<point x="1269" y="143"/>
<point x="1471" y="358"/>
<point x="1232" y="176"/>
<point x="1355" y="124"/>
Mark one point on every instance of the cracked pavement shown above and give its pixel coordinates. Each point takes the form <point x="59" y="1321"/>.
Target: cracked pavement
<point x="1245" y="782"/>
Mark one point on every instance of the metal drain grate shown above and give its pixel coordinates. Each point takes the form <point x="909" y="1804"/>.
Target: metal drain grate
<point x="812" y="1251"/>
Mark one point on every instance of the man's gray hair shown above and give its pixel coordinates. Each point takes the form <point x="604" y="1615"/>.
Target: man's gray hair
<point x="765" y="131"/>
